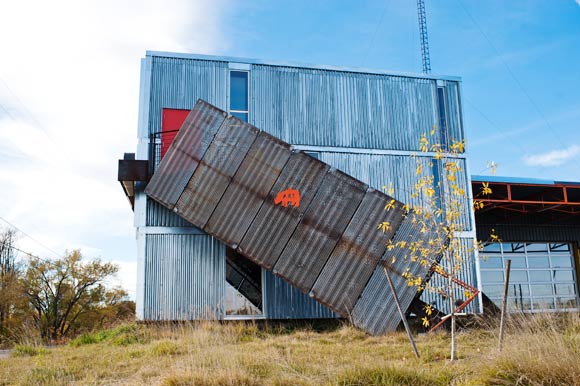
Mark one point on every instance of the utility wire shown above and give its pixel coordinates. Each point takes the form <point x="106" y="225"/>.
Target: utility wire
<point x="31" y="238"/>
<point x="20" y="250"/>
<point x="512" y="74"/>
<point x="376" y="31"/>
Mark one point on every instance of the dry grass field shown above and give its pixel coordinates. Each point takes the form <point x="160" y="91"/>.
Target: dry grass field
<point x="539" y="350"/>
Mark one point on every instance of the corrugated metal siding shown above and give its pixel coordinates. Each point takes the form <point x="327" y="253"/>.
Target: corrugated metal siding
<point x="465" y="203"/>
<point x="337" y="203"/>
<point x="467" y="273"/>
<point x="325" y="220"/>
<point x="211" y="179"/>
<point x="383" y="170"/>
<point x="398" y="171"/>
<point x="179" y="83"/>
<point x="454" y="122"/>
<point x="283" y="301"/>
<point x="270" y="231"/>
<point x="184" y="154"/>
<point x="158" y="215"/>
<point x="331" y="108"/>
<point x="248" y="189"/>
<point x="356" y="255"/>
<point x="375" y="311"/>
<point x="184" y="277"/>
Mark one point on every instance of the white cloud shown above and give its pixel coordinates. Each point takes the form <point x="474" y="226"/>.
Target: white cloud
<point x="578" y="2"/>
<point x="69" y="90"/>
<point x="553" y="158"/>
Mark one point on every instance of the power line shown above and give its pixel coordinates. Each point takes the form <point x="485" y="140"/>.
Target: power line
<point x="20" y="250"/>
<point x="512" y="74"/>
<point x="31" y="238"/>
<point x="375" y="34"/>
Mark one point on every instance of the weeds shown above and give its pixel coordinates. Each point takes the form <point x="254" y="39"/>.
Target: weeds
<point x="539" y="350"/>
<point x="23" y="350"/>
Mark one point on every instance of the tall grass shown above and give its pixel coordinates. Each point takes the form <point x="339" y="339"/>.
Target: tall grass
<point x="539" y="350"/>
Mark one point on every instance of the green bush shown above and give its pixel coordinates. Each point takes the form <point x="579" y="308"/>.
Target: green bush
<point x="123" y="335"/>
<point x="24" y="350"/>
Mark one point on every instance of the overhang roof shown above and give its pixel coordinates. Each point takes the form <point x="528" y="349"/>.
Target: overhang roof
<point x="548" y="201"/>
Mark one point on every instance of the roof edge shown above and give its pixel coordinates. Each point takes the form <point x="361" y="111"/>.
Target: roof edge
<point x="520" y="180"/>
<point x="362" y="70"/>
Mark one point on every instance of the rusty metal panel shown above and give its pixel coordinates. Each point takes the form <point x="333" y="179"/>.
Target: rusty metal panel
<point x="320" y="229"/>
<point x="210" y="180"/>
<point x="248" y="189"/>
<point x="274" y="224"/>
<point x="376" y="311"/>
<point x="184" y="154"/>
<point x="360" y="248"/>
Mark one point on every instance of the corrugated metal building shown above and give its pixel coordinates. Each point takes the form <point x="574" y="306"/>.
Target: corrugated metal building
<point x="366" y="123"/>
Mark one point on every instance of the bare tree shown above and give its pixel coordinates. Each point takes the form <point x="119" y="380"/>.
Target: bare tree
<point x="9" y="290"/>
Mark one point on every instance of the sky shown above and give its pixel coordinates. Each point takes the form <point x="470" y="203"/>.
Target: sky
<point x="69" y="90"/>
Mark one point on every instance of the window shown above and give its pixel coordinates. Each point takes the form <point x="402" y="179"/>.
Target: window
<point x="542" y="275"/>
<point x="239" y="94"/>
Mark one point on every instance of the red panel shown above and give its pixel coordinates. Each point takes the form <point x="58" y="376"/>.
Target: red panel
<point x="171" y="121"/>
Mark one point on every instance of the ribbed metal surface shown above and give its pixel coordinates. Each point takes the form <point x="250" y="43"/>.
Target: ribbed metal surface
<point x="462" y="181"/>
<point x="283" y="301"/>
<point x="184" y="154"/>
<point x="399" y="172"/>
<point x="274" y="224"/>
<point x="375" y="311"/>
<point x="466" y="272"/>
<point x="323" y="225"/>
<point x="396" y="171"/>
<point x="454" y="122"/>
<point x="330" y="108"/>
<point x="325" y="220"/>
<point x="158" y="215"/>
<point x="211" y="179"/>
<point x="178" y="83"/>
<point x="184" y="277"/>
<point x="356" y="255"/>
<point x="248" y="189"/>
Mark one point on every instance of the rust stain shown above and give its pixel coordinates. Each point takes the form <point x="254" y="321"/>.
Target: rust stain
<point x="288" y="197"/>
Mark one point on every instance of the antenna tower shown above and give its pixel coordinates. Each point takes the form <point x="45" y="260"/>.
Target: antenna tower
<point x="424" y="39"/>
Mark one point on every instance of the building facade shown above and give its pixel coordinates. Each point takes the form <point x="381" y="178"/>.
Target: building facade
<point x="366" y="123"/>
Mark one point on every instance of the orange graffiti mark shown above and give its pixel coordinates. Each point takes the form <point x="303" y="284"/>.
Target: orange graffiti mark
<point x="288" y="197"/>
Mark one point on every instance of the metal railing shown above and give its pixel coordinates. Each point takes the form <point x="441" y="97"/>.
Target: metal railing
<point x="155" y="148"/>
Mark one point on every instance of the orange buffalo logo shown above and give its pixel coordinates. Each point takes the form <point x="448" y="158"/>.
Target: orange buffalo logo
<point x="288" y="197"/>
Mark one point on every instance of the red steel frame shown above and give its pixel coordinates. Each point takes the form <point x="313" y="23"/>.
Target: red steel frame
<point x="474" y="292"/>
<point x="536" y="203"/>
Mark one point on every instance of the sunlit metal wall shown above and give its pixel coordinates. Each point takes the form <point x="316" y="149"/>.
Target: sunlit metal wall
<point x="316" y="107"/>
<point x="331" y="108"/>
<point x="184" y="277"/>
<point x="283" y="301"/>
<point x="178" y="83"/>
<point x="398" y="171"/>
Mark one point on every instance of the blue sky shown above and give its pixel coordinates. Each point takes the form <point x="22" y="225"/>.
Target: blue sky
<point x="518" y="61"/>
<point x="69" y="84"/>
